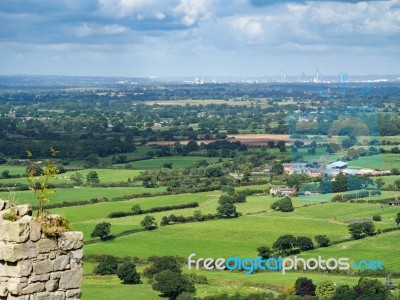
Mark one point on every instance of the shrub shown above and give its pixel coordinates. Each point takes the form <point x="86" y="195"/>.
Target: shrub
<point x="377" y="218"/>
<point x="108" y="266"/>
<point x="128" y="274"/>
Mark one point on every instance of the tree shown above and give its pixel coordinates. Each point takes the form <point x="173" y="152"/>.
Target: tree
<point x="348" y="142"/>
<point x="284" y="205"/>
<point x="367" y="289"/>
<point x="136" y="209"/>
<point x="167" y="165"/>
<point x="159" y="264"/>
<point x="3" y="158"/>
<point x="91" y="160"/>
<point x="322" y="240"/>
<point x="304" y="287"/>
<point x="77" y="178"/>
<point x="397" y="184"/>
<point x="107" y="266"/>
<point x="395" y="171"/>
<point x="277" y="169"/>
<point x="377" y="218"/>
<point x="359" y="230"/>
<point x="128" y="274"/>
<point x="102" y="230"/>
<point x="369" y="228"/>
<point x="379" y="181"/>
<point x="284" y="243"/>
<point x="325" y="290"/>
<point x="92" y="178"/>
<point x="304" y="243"/>
<point x="227" y="210"/>
<point x="264" y="252"/>
<point x="172" y="284"/>
<point x="5" y="174"/>
<point x="344" y="292"/>
<point x="148" y="181"/>
<point x="149" y="223"/>
<point x="397" y="219"/>
<point x="356" y="230"/>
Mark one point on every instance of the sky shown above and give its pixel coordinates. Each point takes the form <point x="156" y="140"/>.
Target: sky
<point x="143" y="38"/>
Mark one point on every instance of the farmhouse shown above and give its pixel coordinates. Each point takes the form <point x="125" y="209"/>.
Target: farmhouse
<point x="286" y="191"/>
<point x="294" y="167"/>
<point x="337" y="165"/>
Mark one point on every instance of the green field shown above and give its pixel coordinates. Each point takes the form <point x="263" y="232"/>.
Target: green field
<point x="224" y="237"/>
<point x="177" y="162"/>
<point x="79" y="194"/>
<point x="383" y="161"/>
<point x="105" y="175"/>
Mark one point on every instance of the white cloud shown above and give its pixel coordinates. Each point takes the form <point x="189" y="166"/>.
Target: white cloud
<point x="123" y="8"/>
<point x="194" y="10"/>
<point x="249" y="28"/>
<point x="159" y="15"/>
<point x="85" y="30"/>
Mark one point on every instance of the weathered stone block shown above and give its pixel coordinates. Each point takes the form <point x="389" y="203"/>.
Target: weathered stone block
<point x="42" y="267"/>
<point x="11" y="252"/>
<point x="55" y="275"/>
<point x="35" y="231"/>
<point x="58" y="296"/>
<point x="76" y="258"/>
<point x="42" y="277"/>
<point x="3" y="288"/>
<point x="4" y="204"/>
<point x="33" y="288"/>
<point x="20" y="269"/>
<point x="46" y="245"/>
<point x="51" y="285"/>
<point x="71" y="279"/>
<point x="12" y="297"/>
<point x="53" y="254"/>
<point x="15" y="285"/>
<point x="61" y="263"/>
<point x="17" y="231"/>
<point x="41" y="296"/>
<point x="70" y="240"/>
<point x="74" y="294"/>
<point x="24" y="210"/>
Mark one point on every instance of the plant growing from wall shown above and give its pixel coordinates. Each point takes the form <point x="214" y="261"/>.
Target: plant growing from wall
<point x="40" y="178"/>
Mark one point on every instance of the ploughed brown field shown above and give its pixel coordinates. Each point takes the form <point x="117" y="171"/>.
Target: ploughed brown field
<point x="247" y="139"/>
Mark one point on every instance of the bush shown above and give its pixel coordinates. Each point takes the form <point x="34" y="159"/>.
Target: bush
<point x="108" y="266"/>
<point x="102" y="230"/>
<point x="284" y="205"/>
<point x="304" y="243"/>
<point x="377" y="218"/>
<point x="322" y="240"/>
<point x="128" y="274"/>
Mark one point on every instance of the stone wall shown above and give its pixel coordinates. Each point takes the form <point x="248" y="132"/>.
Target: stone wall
<point x="33" y="266"/>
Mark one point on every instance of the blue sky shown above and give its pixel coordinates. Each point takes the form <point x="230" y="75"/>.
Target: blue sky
<point x="198" y="37"/>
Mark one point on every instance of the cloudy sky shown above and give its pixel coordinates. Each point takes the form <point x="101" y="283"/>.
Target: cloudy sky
<point x="198" y="37"/>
